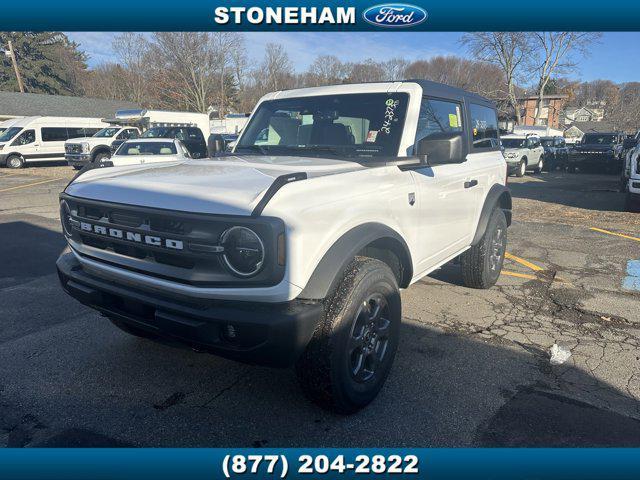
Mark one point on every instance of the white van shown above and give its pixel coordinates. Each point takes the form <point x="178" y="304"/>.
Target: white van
<point x="41" y="139"/>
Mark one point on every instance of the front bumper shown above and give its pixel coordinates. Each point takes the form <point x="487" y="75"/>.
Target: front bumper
<point x="77" y="159"/>
<point x="634" y="186"/>
<point x="600" y="160"/>
<point x="258" y="333"/>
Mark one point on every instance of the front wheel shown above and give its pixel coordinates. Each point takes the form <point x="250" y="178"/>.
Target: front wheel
<point x="15" y="161"/>
<point x="350" y="355"/>
<point x="522" y="168"/>
<point x="632" y="203"/>
<point x="482" y="263"/>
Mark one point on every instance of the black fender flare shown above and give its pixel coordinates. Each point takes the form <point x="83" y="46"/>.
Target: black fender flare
<point x="498" y="196"/>
<point x="331" y="268"/>
<point x="98" y="149"/>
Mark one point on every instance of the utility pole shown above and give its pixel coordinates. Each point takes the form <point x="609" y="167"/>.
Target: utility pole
<point x="12" y="54"/>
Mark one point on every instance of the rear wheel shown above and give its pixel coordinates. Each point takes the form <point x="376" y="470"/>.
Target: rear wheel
<point x="482" y="263"/>
<point x="539" y="166"/>
<point x="350" y="355"/>
<point x="15" y="161"/>
<point x="522" y="168"/>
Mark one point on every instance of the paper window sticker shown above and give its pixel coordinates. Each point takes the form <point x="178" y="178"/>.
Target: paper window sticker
<point x="453" y="120"/>
<point x="372" y="135"/>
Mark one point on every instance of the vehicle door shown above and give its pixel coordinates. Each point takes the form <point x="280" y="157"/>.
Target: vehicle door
<point x="445" y="202"/>
<point x="533" y="155"/>
<point x="26" y="145"/>
<point x="52" y="145"/>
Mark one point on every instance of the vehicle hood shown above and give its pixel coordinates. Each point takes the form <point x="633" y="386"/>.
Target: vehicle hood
<point x="80" y="139"/>
<point x="232" y="185"/>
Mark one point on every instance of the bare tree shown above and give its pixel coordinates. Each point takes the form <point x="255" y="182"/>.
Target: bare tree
<point x="131" y="50"/>
<point x="556" y="54"/>
<point x="366" y="71"/>
<point x="277" y="67"/>
<point x="325" y="70"/>
<point x="508" y="50"/>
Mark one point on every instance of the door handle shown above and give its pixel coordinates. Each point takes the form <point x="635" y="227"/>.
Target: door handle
<point x="470" y="183"/>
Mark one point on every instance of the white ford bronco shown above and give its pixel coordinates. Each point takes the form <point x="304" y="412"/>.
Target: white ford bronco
<point x="292" y="249"/>
<point x="523" y="152"/>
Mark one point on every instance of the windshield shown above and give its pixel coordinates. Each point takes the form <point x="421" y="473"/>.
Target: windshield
<point x="548" y="142"/>
<point x="353" y="125"/>
<point x="598" y="139"/>
<point x="9" y="133"/>
<point x="514" y="142"/>
<point x="107" y="132"/>
<point x="147" y="148"/>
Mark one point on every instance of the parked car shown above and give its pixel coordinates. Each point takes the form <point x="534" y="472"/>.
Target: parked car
<point x="522" y="153"/>
<point x="42" y="139"/>
<point x="293" y="249"/>
<point x="83" y="150"/>
<point x="597" y="152"/>
<point x="149" y="150"/>
<point x="192" y="138"/>
<point x="631" y="180"/>
<point x="556" y="153"/>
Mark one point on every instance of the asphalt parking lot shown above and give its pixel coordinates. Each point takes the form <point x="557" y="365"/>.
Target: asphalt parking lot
<point x="472" y="369"/>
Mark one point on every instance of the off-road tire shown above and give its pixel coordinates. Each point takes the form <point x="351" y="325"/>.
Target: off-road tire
<point x="482" y="263"/>
<point x="131" y="330"/>
<point x="326" y="369"/>
<point x="15" y="161"/>
<point x="522" y="168"/>
<point x="539" y="166"/>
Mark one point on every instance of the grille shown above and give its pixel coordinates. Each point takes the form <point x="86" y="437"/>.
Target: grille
<point x="73" y="148"/>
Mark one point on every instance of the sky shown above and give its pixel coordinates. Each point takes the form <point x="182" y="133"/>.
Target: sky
<point x="614" y="57"/>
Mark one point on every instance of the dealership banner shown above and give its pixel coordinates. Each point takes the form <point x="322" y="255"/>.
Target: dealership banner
<point x="209" y="464"/>
<point x="330" y="15"/>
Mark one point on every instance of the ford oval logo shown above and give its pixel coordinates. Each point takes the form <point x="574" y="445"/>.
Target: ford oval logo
<point x="395" y="15"/>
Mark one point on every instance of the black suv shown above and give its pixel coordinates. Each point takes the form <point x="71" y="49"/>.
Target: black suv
<point x="191" y="137"/>
<point x="598" y="152"/>
<point x="556" y="153"/>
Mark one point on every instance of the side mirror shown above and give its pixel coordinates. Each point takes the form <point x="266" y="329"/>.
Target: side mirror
<point x="215" y="145"/>
<point x="442" y="148"/>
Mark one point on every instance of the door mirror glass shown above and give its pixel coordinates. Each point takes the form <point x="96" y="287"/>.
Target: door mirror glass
<point x="443" y="148"/>
<point x="215" y="145"/>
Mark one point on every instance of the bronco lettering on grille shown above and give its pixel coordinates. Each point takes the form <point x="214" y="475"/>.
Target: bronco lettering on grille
<point x="132" y="236"/>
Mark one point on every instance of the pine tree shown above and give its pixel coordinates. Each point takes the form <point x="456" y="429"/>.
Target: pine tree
<point x="48" y="61"/>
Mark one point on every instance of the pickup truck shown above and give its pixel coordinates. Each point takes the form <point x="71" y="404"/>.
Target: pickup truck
<point x="81" y="151"/>
<point x="292" y="249"/>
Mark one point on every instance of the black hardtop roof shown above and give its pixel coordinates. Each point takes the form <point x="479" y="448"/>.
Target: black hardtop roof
<point x="436" y="89"/>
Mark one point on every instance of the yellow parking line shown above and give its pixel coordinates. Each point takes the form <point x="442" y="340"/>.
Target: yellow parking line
<point x="30" y="184"/>
<point x="519" y="275"/>
<point x="614" y="233"/>
<point x="524" y="262"/>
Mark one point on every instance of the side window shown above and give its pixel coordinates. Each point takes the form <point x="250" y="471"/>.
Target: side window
<point x="54" y="134"/>
<point x="77" y="132"/>
<point x="484" y="124"/>
<point x="438" y="116"/>
<point x="123" y="135"/>
<point x="132" y="133"/>
<point x="194" y="134"/>
<point x="90" y="132"/>
<point x="25" y="138"/>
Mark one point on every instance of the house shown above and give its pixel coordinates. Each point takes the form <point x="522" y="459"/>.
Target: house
<point x="582" y="114"/>
<point x="14" y="104"/>
<point x="551" y="107"/>
<point x="576" y="130"/>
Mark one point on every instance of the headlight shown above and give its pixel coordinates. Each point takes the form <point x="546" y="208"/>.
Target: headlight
<point x="85" y="147"/>
<point x="511" y="155"/>
<point x="65" y="218"/>
<point x="243" y="251"/>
